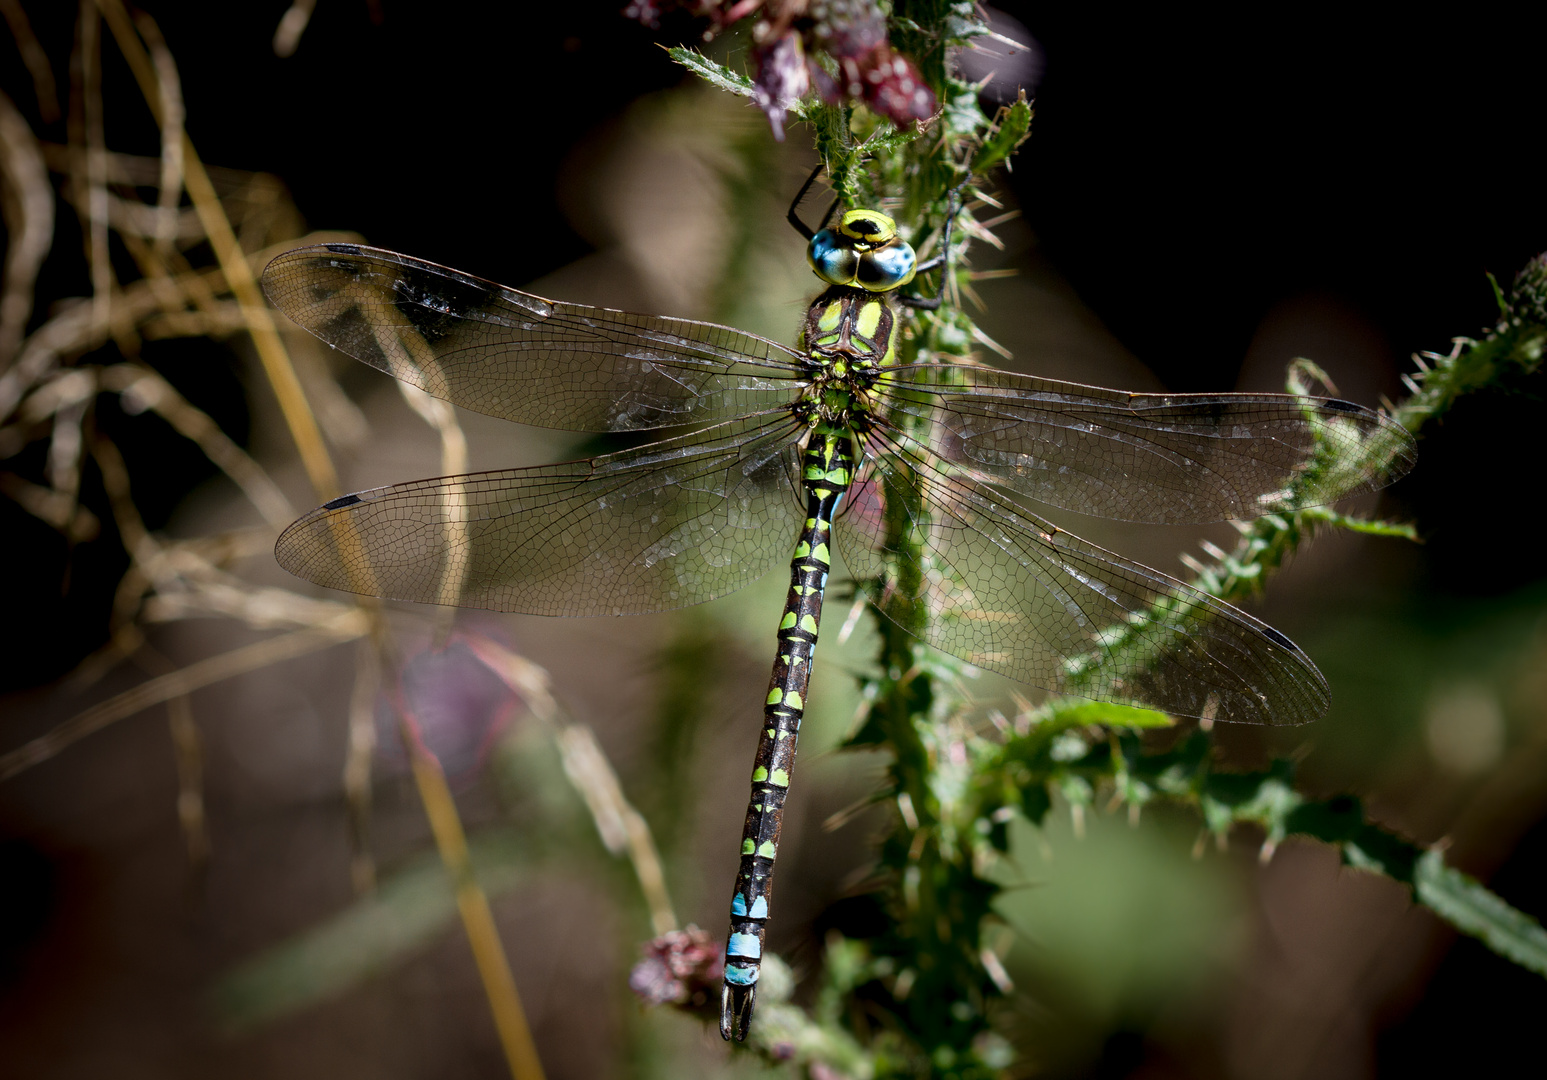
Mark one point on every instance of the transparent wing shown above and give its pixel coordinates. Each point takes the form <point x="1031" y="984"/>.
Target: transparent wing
<point x="1161" y="458"/>
<point x="1005" y="590"/>
<point x="517" y="356"/>
<point x="661" y="526"/>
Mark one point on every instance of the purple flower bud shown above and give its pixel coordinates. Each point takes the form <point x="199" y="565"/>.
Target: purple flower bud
<point x="781" y="78"/>
<point x="683" y="967"/>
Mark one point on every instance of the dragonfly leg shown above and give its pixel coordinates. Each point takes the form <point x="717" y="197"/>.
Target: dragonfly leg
<point x="954" y="203"/>
<point x="793" y="216"/>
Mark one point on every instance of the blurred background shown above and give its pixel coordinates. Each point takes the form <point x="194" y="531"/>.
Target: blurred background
<point x="1203" y="200"/>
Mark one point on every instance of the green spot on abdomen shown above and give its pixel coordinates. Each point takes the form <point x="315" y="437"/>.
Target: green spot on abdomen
<point x="780" y="778"/>
<point x="767" y="849"/>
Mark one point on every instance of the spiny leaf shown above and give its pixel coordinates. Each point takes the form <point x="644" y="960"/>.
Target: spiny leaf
<point x="716" y="75"/>
<point x="1464" y="903"/>
<point x="1011" y="128"/>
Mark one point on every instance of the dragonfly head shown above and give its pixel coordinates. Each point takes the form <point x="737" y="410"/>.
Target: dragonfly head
<point x="864" y="250"/>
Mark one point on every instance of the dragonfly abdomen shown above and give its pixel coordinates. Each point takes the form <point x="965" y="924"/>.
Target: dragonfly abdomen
<point x="827" y="472"/>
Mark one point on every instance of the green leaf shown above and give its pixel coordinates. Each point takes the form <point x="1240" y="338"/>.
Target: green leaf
<point x="1399" y="530"/>
<point x="1110" y="714"/>
<point x="1011" y="128"/>
<point x="717" y="75"/>
<point x="1498" y="296"/>
<point x="723" y="78"/>
<point x="1333" y="820"/>
<point x="1035" y="803"/>
<point x="1464" y="903"/>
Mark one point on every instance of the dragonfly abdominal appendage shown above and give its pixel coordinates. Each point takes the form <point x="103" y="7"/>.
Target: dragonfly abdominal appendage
<point x="930" y="463"/>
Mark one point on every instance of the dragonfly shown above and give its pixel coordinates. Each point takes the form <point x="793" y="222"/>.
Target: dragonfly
<point x="916" y="474"/>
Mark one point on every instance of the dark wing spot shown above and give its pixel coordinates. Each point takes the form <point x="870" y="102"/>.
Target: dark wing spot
<point x="1279" y="639"/>
<point x="435" y="305"/>
<point x="341" y="502"/>
<point x="1334" y="405"/>
<point x="344" y="249"/>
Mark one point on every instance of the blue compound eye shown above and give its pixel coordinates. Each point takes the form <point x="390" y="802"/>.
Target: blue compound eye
<point x="831" y="260"/>
<point x="886" y="268"/>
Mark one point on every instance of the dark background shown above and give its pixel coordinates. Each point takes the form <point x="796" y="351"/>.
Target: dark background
<point x="1186" y="174"/>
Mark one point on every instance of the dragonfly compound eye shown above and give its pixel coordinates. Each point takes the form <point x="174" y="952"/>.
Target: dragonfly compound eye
<point x="832" y="259"/>
<point x="887" y="268"/>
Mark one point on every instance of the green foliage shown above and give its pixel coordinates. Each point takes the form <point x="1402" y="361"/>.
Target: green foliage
<point x="718" y="75"/>
<point x="1010" y="128"/>
<point x="1472" y="909"/>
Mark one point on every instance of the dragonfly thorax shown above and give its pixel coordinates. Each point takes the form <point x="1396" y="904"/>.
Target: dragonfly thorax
<point x="850" y="331"/>
<point x="849" y="336"/>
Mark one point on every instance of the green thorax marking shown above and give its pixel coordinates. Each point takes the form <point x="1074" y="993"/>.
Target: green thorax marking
<point x="848" y="328"/>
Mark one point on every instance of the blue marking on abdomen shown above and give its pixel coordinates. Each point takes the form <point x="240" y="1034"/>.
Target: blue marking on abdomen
<point x="739" y="905"/>
<point x="744" y="945"/>
<point x="741" y="976"/>
<point x="759" y="908"/>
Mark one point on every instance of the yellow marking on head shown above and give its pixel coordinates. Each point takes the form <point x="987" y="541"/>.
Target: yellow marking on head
<point x="867" y="226"/>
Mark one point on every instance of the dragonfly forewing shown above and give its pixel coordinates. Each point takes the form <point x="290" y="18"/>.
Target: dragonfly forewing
<point x="511" y="354"/>
<point x="1158" y="458"/>
<point x="657" y="527"/>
